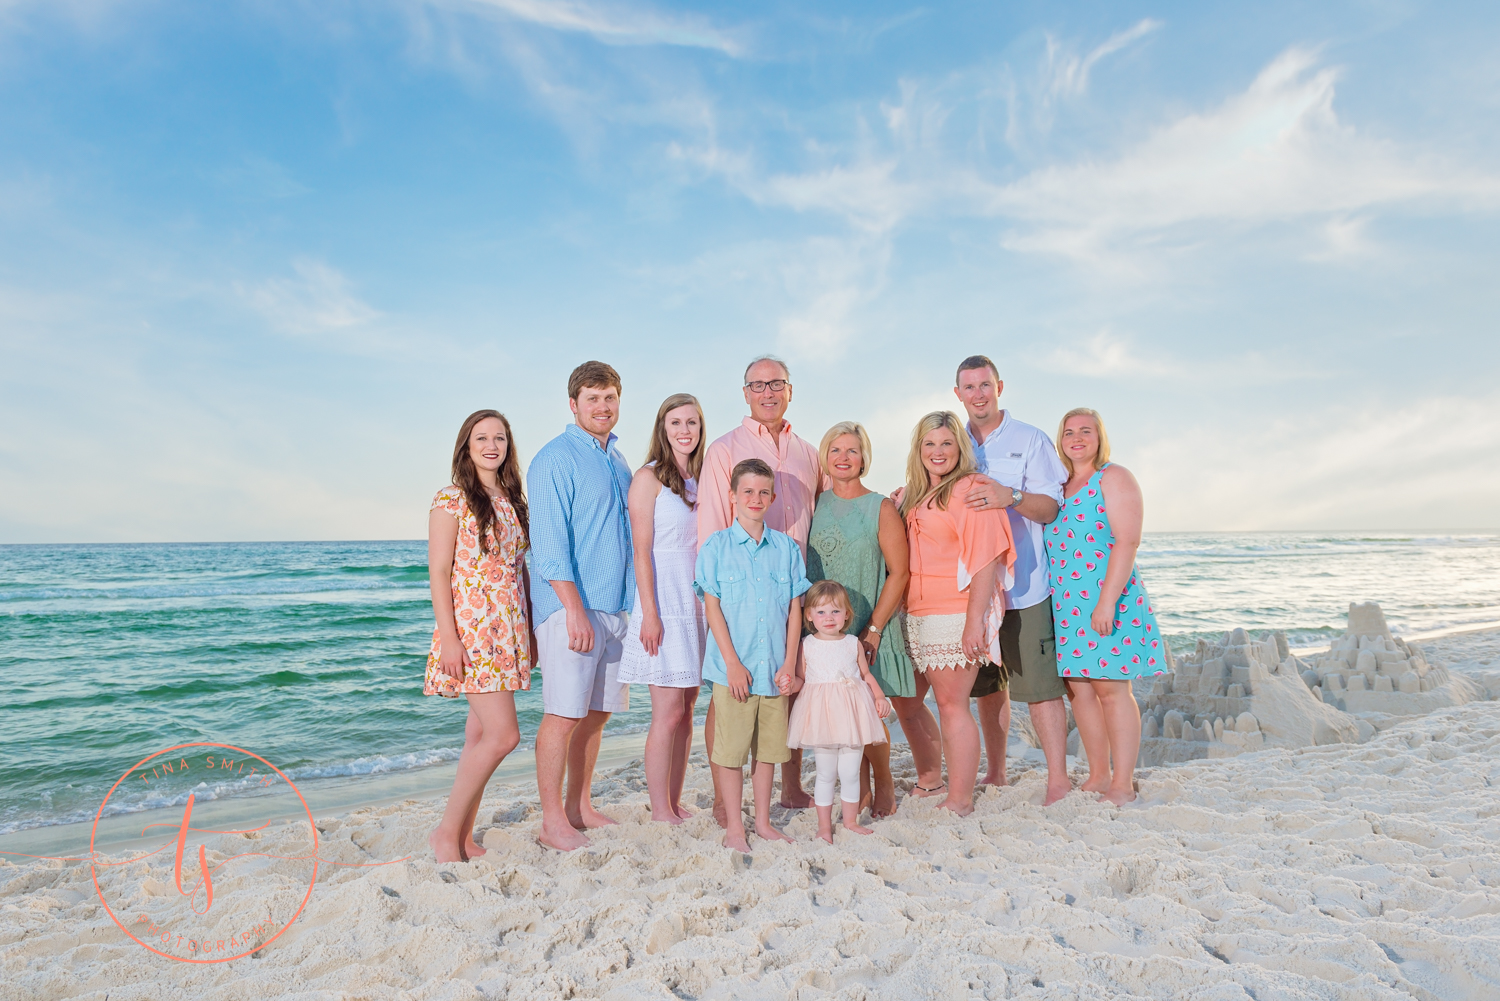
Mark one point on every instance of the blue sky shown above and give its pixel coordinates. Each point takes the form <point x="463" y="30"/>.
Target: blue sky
<point x="258" y="260"/>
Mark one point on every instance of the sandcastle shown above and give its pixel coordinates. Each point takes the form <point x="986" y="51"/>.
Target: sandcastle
<point x="1241" y="694"/>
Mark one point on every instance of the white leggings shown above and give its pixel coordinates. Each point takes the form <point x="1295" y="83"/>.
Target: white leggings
<point x="841" y="763"/>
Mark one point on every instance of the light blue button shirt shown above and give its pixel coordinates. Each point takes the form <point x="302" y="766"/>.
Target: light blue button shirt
<point x="580" y="526"/>
<point x="755" y="583"/>
<point x="1022" y="457"/>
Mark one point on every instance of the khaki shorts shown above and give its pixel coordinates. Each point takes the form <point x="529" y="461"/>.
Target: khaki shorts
<point x="1029" y="649"/>
<point x="755" y="727"/>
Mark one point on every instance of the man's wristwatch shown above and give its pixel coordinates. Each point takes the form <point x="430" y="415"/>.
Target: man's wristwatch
<point x="1016" y="497"/>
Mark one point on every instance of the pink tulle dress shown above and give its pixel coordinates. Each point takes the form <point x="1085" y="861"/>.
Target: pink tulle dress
<point x="835" y="707"/>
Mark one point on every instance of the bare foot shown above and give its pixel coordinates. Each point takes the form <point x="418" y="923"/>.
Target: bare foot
<point x="826" y="834"/>
<point x="1095" y="783"/>
<point x="444" y="850"/>
<point x="855" y="829"/>
<point x="721" y="815"/>
<point x="922" y="792"/>
<point x="683" y="812"/>
<point x="737" y="842"/>
<point x="589" y="818"/>
<point x="993" y="779"/>
<point x="563" y="837"/>
<point x="795" y="799"/>
<point x="666" y="818"/>
<point x="885" y="802"/>
<point x="959" y="809"/>
<point x="1120" y="797"/>
<point x="471" y="849"/>
<point x="1056" y="791"/>
<point x="769" y="833"/>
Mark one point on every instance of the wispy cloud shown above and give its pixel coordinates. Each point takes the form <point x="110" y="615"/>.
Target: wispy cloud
<point x="319" y="300"/>
<point x="614" y="24"/>
<point x="1068" y="72"/>
<point x="1108" y="355"/>
<point x="1276" y="152"/>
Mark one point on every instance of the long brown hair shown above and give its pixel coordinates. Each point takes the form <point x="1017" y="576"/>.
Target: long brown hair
<point x="661" y="447"/>
<point x="466" y="478"/>
<point x="918" y="484"/>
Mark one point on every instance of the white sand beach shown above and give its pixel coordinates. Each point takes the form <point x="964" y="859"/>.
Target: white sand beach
<point x="1347" y="871"/>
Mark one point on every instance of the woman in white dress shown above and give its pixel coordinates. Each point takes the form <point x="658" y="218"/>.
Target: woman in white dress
<point x="665" y="642"/>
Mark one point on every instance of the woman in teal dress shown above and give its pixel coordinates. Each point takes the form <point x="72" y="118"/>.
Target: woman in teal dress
<point x="858" y="539"/>
<point x="1102" y="618"/>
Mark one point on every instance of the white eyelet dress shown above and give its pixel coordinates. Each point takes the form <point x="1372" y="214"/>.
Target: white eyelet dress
<point x="674" y="553"/>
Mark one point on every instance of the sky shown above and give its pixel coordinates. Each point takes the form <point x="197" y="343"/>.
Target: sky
<point x="258" y="260"/>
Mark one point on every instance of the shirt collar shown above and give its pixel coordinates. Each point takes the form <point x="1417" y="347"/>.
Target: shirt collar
<point x="758" y="428"/>
<point x="580" y="433"/>
<point x="1004" y="420"/>
<point x="740" y="536"/>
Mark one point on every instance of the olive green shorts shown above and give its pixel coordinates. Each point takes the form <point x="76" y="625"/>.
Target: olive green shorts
<point x="755" y="727"/>
<point x="989" y="679"/>
<point x="1029" y="650"/>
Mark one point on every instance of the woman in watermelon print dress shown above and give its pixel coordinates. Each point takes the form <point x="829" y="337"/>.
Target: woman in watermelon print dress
<point x="1102" y="617"/>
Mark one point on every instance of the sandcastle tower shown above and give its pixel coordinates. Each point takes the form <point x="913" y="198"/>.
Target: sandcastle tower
<point x="1240" y="694"/>
<point x="1369" y="670"/>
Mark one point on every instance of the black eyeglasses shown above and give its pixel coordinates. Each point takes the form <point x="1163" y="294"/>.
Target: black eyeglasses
<point x="774" y="385"/>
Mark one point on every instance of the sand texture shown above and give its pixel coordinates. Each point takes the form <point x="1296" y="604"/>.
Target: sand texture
<point x="1349" y="871"/>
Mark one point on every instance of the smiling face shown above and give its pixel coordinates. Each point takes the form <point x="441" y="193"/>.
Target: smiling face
<point x="684" y="428"/>
<point x="846" y="460"/>
<point x="827" y="618"/>
<point x="979" y="389"/>
<point x="752" y="495"/>
<point x="488" y="444"/>
<point x="769" y="405"/>
<point x="1080" y="442"/>
<point x="597" y="409"/>
<point x="940" y="453"/>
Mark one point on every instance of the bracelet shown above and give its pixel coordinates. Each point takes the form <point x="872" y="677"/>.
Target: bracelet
<point x="873" y="629"/>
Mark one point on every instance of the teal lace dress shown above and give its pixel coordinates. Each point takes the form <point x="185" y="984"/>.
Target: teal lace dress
<point x="844" y="545"/>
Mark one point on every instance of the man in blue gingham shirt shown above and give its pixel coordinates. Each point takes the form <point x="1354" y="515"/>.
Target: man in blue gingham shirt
<point x="583" y="584"/>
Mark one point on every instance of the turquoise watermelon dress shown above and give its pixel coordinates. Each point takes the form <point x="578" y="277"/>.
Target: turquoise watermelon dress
<point x="1079" y="542"/>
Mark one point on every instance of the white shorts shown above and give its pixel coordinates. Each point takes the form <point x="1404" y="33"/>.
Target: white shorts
<point x="574" y="683"/>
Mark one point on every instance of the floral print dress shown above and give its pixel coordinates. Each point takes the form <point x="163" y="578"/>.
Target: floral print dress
<point x="489" y="603"/>
<point x="1079" y="542"/>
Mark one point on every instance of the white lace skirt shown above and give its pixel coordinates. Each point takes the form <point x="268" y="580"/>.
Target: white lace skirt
<point x="936" y="642"/>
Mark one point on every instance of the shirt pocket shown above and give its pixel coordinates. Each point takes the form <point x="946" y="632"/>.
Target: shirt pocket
<point x="732" y="586"/>
<point x="781" y="586"/>
<point x="1007" y="472"/>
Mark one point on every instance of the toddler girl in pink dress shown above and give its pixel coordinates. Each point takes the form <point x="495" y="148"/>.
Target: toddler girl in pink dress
<point x="839" y="707"/>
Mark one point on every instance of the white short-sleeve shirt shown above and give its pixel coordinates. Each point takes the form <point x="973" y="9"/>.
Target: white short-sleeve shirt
<point x="1022" y="457"/>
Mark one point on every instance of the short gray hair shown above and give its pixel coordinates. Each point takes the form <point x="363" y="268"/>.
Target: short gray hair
<point x="756" y="361"/>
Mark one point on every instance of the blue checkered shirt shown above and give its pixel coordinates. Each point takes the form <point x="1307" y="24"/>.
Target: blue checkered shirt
<point x="580" y="526"/>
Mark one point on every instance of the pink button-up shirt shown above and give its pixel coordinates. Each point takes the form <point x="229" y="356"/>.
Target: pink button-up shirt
<point x="798" y="475"/>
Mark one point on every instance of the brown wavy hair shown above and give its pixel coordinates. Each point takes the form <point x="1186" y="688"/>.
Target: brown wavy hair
<point x="661" y="447"/>
<point x="466" y="478"/>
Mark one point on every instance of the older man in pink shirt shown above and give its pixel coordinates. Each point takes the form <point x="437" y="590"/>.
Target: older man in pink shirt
<point x="764" y="435"/>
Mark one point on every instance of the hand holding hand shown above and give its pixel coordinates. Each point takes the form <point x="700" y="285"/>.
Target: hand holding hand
<point x="1103" y="619"/>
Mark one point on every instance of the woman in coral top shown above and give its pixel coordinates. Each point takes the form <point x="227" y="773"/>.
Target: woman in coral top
<point x="958" y="557"/>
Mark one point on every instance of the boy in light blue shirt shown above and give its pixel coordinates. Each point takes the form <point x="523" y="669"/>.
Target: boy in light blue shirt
<point x="751" y="579"/>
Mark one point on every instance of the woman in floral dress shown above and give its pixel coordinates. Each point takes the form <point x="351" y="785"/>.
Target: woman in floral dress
<point x="483" y="646"/>
<point x="1102" y="617"/>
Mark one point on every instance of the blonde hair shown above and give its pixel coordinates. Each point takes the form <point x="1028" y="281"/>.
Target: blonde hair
<point x="918" y="487"/>
<point x="842" y="428"/>
<point x="825" y="592"/>
<point x="1103" y="454"/>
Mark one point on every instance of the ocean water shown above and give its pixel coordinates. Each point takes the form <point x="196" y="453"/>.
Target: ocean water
<point x="312" y="654"/>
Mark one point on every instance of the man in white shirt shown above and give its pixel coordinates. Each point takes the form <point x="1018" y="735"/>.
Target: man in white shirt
<point x="1026" y="478"/>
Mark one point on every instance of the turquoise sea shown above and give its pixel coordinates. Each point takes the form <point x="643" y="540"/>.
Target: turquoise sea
<point x="312" y="654"/>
